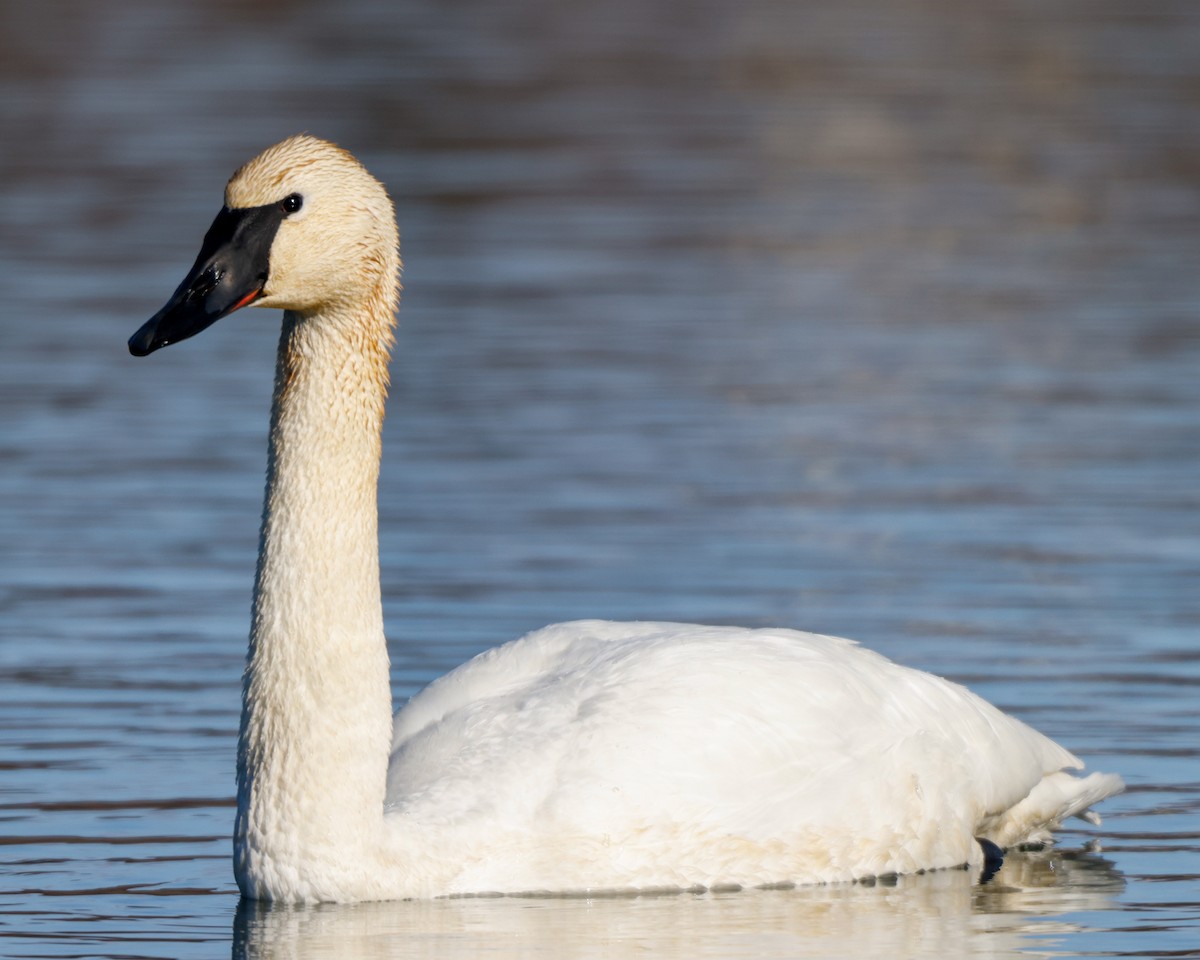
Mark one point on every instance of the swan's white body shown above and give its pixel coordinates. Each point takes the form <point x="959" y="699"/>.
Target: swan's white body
<point x="584" y="756"/>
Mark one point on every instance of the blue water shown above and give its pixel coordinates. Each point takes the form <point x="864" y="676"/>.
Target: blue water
<point x="869" y="318"/>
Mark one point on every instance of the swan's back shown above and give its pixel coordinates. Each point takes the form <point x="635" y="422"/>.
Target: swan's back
<point x="753" y="756"/>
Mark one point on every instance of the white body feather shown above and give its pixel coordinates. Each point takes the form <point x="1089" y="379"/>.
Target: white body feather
<point x="584" y="756"/>
<point x="631" y="755"/>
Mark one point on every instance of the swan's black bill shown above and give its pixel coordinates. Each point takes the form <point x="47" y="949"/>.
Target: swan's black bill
<point x="229" y="273"/>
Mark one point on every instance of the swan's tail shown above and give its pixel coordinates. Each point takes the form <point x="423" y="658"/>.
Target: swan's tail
<point x="1056" y="798"/>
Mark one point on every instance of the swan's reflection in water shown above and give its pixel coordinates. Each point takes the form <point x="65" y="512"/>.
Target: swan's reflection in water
<point x="939" y="914"/>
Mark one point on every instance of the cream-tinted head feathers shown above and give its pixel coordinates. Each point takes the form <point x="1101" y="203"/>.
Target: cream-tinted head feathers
<point x="341" y="247"/>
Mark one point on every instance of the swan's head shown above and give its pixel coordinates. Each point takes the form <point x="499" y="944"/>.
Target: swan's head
<point x="304" y="228"/>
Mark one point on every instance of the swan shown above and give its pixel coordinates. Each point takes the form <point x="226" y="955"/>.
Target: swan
<point x="587" y="756"/>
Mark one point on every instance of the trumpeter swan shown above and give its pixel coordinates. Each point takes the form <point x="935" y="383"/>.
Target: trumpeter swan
<point x="584" y="756"/>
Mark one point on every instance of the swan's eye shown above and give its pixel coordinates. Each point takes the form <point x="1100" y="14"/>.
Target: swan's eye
<point x="291" y="203"/>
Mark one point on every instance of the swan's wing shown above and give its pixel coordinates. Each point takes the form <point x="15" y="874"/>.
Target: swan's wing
<point x="607" y="726"/>
<point x="497" y="672"/>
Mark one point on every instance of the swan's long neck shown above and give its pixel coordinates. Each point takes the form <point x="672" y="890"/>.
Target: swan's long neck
<point x="317" y="712"/>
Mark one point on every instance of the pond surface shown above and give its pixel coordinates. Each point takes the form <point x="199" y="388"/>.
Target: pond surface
<point x="871" y="318"/>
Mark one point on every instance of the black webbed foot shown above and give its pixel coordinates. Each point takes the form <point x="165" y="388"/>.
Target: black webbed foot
<point x="993" y="859"/>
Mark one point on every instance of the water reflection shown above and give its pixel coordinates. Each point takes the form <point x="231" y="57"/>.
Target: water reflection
<point x="938" y="914"/>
